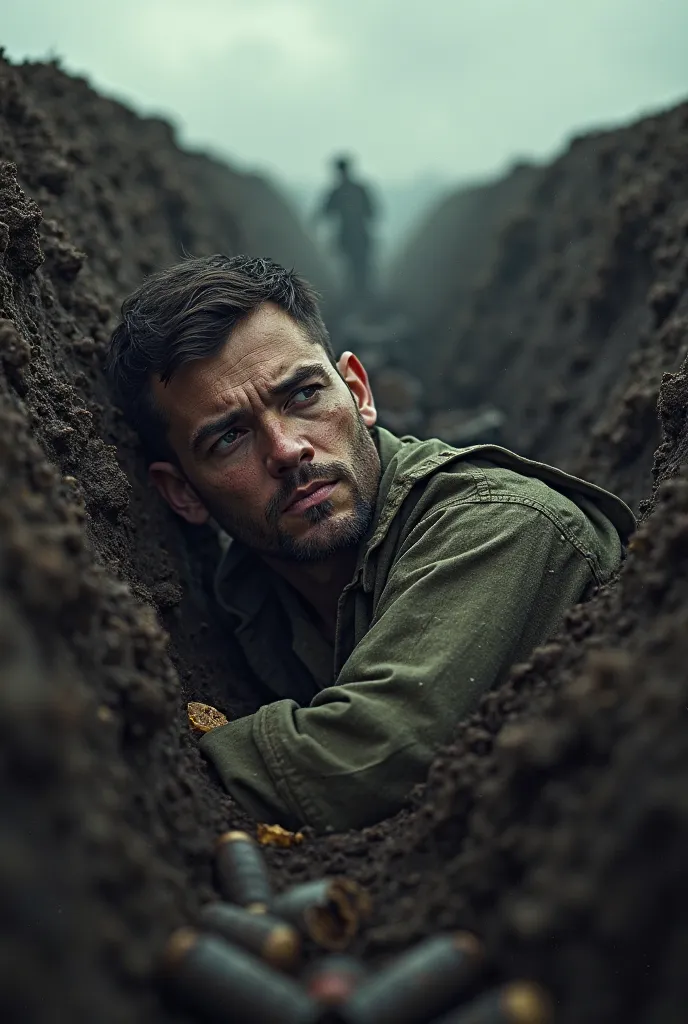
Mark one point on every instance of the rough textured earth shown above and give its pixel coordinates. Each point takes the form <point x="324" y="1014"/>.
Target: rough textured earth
<point x="451" y="254"/>
<point x="107" y="813"/>
<point x="556" y="825"/>
<point x="583" y="304"/>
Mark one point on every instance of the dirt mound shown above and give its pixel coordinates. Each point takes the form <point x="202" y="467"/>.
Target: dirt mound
<point x="556" y="825"/>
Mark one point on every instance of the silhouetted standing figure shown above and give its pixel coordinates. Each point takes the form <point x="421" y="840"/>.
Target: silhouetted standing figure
<point x="351" y="204"/>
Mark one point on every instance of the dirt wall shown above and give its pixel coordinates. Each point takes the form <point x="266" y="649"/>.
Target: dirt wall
<point x="107" y="810"/>
<point x="581" y="307"/>
<point x="448" y="256"/>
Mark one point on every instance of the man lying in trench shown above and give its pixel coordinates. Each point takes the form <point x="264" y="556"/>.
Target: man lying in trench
<point x="377" y="585"/>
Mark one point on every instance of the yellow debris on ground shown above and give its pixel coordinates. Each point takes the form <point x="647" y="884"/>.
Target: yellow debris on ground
<point x="203" y="717"/>
<point x="275" y="835"/>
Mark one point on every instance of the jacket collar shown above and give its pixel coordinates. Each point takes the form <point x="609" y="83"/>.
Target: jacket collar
<point x="242" y="581"/>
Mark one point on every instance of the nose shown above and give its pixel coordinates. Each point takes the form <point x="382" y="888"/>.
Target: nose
<point x="285" y="450"/>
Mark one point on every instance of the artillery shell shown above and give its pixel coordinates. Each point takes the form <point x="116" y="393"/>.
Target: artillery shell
<point x="221" y="983"/>
<point x="328" y="910"/>
<point x="332" y="979"/>
<point x="275" y="942"/>
<point x="419" y="984"/>
<point x="521" y="1002"/>
<point x="242" y="872"/>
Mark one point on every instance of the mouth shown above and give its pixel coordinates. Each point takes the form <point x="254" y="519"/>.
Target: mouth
<point x="306" y="497"/>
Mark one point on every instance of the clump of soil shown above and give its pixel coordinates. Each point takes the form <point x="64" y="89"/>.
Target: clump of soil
<point x="555" y="826"/>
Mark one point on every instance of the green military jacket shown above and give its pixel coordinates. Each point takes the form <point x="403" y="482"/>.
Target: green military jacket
<point x="473" y="557"/>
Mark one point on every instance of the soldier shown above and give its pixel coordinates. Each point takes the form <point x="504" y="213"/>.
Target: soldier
<point x="378" y="586"/>
<point x="350" y="204"/>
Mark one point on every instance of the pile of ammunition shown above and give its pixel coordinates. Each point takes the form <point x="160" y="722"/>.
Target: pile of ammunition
<point x="242" y="962"/>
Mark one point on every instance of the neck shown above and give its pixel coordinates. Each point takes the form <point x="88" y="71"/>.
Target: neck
<point x="320" y="583"/>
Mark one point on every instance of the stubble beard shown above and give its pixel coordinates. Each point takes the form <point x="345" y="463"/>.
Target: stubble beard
<point x="272" y="539"/>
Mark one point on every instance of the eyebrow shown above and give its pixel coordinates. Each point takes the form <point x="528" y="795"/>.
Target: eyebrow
<point x="226" y="422"/>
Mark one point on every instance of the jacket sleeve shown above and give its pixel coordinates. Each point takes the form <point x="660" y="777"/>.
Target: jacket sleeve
<point x="474" y="587"/>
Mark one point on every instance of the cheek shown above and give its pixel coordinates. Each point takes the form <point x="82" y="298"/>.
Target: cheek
<point x="336" y="429"/>
<point x="240" y="484"/>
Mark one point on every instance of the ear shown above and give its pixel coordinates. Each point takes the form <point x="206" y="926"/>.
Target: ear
<point x="355" y="377"/>
<point x="178" y="492"/>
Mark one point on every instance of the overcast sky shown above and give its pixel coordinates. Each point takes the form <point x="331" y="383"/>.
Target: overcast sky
<point x="452" y="88"/>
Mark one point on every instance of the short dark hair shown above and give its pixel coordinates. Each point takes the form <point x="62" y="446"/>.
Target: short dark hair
<point x="187" y="312"/>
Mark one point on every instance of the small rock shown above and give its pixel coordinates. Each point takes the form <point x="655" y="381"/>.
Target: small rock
<point x="14" y="349"/>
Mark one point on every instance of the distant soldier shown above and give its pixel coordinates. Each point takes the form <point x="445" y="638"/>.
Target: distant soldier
<point x="351" y="204"/>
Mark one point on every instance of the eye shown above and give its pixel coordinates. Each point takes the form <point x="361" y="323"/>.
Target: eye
<point x="304" y="395"/>
<point x="227" y="440"/>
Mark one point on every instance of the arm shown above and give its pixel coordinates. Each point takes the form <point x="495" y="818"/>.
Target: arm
<point x="474" y="587"/>
<point x="371" y="206"/>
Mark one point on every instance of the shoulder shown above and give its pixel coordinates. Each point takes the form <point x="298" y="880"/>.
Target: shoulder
<point x="487" y="500"/>
<point x="496" y="489"/>
<point x="476" y="490"/>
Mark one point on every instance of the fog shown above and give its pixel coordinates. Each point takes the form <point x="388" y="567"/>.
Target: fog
<point x="424" y="94"/>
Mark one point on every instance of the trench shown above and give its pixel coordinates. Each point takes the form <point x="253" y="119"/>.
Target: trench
<point x="555" y="826"/>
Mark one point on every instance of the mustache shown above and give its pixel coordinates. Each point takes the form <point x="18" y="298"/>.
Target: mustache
<point x="305" y="474"/>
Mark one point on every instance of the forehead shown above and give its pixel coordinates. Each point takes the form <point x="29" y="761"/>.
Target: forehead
<point x="262" y="350"/>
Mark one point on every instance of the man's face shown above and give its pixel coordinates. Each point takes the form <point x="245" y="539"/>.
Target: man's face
<point x="272" y="442"/>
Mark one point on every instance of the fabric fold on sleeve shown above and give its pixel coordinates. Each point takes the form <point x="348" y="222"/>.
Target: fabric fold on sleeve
<point x="474" y="587"/>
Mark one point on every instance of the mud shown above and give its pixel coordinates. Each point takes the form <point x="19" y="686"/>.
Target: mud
<point x="556" y="825"/>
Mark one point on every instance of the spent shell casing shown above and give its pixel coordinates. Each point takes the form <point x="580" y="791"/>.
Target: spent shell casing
<point x="221" y="983"/>
<point x="328" y="910"/>
<point x="419" y="984"/>
<point x="275" y="942"/>
<point x="521" y="1002"/>
<point x="332" y="979"/>
<point x="242" y="872"/>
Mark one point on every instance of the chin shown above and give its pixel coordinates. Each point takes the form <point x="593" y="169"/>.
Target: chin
<point x="323" y="539"/>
